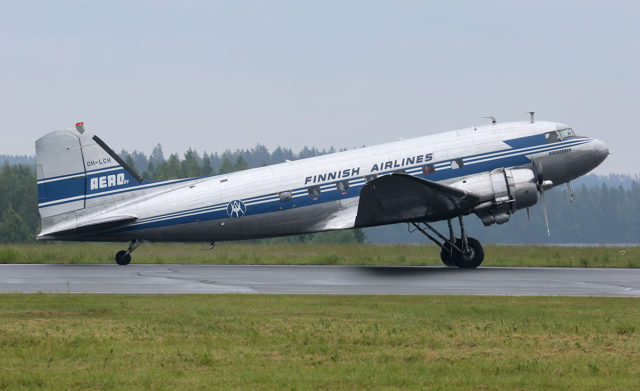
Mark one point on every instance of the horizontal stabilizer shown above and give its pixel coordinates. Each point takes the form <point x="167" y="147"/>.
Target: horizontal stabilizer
<point x="399" y="198"/>
<point x="91" y="226"/>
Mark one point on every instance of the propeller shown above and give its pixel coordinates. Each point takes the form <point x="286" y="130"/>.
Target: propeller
<point x="537" y="170"/>
<point x="570" y="192"/>
<point x="542" y="186"/>
<point x="544" y="210"/>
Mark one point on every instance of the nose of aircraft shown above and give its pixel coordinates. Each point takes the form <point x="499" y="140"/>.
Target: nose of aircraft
<point x="560" y="168"/>
<point x="600" y="151"/>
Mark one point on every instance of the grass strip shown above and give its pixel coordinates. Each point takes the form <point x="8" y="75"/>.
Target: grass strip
<point x="237" y="253"/>
<point x="308" y="342"/>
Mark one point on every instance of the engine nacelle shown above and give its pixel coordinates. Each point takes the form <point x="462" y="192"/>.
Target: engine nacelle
<point x="502" y="191"/>
<point x="522" y="187"/>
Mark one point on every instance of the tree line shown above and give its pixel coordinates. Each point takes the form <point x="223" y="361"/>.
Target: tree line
<point x="192" y="164"/>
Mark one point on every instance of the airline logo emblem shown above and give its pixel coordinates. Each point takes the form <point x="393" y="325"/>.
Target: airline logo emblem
<point x="107" y="181"/>
<point x="236" y="208"/>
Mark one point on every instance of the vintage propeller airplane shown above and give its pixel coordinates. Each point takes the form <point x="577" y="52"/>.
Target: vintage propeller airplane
<point x="86" y="192"/>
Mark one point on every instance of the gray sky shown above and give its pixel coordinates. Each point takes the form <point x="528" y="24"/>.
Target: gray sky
<point x="217" y="75"/>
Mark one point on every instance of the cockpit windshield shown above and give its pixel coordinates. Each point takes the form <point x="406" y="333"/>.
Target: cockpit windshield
<point x="565" y="133"/>
<point x="559" y="135"/>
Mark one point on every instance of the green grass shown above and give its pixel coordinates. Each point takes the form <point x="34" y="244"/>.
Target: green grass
<point x="316" y="254"/>
<point x="268" y="342"/>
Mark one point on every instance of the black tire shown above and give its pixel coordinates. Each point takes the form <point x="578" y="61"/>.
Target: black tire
<point x="446" y="254"/>
<point x="122" y="258"/>
<point x="473" y="258"/>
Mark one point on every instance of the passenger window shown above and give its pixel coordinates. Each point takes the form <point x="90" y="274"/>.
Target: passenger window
<point x="285" y="196"/>
<point x="371" y="177"/>
<point x="458" y="163"/>
<point x="314" y="190"/>
<point x="428" y="169"/>
<point x="342" y="185"/>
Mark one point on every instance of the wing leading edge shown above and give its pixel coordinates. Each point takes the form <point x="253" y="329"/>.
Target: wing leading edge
<point x="399" y="198"/>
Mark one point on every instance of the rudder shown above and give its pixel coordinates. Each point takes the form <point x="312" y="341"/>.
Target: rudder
<point x="60" y="172"/>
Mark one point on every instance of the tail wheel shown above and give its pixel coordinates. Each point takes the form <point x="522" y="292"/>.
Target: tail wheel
<point x="122" y="258"/>
<point x="446" y="254"/>
<point x="470" y="259"/>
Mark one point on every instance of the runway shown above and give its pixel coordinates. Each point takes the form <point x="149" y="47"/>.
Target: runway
<point x="170" y="279"/>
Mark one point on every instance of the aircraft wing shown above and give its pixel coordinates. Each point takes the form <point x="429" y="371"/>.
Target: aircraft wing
<point x="401" y="198"/>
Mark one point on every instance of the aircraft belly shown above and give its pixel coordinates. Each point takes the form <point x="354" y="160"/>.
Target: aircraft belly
<point x="293" y="221"/>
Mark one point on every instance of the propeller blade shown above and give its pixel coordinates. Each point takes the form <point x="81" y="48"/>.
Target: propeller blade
<point x="544" y="210"/>
<point x="537" y="170"/>
<point x="528" y="215"/>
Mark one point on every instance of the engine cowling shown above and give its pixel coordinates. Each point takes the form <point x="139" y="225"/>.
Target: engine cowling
<point x="513" y="189"/>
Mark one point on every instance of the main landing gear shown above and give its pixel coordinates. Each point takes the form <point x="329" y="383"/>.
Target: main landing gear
<point x="464" y="252"/>
<point x="123" y="257"/>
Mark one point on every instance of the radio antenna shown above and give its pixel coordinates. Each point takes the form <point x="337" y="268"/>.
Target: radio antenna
<point x="493" y="119"/>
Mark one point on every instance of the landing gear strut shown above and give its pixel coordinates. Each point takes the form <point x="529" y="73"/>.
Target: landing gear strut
<point x="123" y="257"/>
<point x="463" y="252"/>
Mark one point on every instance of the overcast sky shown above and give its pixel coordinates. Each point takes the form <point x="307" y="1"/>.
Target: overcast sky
<point x="217" y="75"/>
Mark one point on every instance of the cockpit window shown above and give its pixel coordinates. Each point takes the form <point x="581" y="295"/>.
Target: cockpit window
<point x="559" y="135"/>
<point x="551" y="137"/>
<point x="565" y="133"/>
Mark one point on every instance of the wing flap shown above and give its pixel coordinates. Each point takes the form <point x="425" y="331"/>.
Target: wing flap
<point x="402" y="198"/>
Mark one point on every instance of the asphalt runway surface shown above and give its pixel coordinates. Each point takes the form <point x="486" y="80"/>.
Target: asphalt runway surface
<point x="171" y="279"/>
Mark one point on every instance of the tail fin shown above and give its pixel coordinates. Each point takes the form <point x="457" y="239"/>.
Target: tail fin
<point x="74" y="167"/>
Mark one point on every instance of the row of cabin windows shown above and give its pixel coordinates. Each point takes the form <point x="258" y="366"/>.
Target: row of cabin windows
<point x="344" y="185"/>
<point x="313" y="191"/>
<point x="454" y="164"/>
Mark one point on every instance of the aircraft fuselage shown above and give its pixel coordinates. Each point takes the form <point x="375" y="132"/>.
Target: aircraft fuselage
<point x="314" y="194"/>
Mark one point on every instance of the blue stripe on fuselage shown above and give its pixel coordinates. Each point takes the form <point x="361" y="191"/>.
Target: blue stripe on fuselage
<point x="528" y="141"/>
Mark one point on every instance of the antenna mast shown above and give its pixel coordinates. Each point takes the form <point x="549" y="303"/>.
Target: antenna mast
<point x="493" y="119"/>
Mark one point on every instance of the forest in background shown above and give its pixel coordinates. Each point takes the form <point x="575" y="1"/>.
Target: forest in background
<point x="606" y="209"/>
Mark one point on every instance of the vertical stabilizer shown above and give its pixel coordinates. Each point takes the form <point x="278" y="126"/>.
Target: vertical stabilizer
<point x="77" y="171"/>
